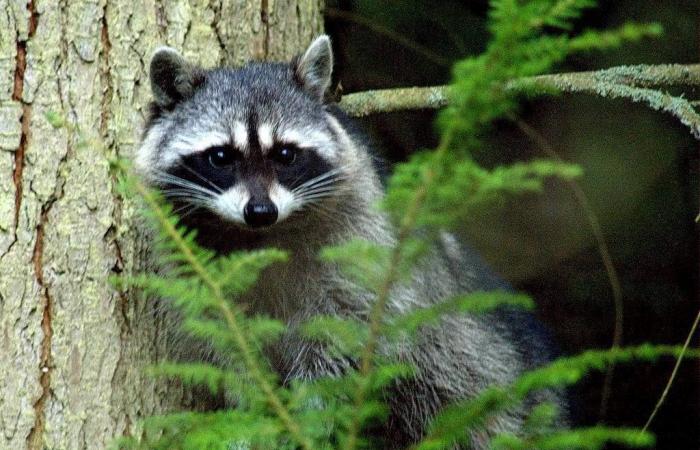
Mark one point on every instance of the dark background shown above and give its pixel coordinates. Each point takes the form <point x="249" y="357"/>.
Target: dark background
<point x="641" y="179"/>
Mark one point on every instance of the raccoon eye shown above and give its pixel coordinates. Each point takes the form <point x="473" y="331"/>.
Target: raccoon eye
<point x="221" y="156"/>
<point x="284" y="154"/>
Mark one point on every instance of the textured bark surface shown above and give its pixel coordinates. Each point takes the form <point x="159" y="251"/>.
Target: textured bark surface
<point x="72" y="348"/>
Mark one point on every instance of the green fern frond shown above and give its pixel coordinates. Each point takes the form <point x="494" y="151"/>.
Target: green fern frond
<point x="455" y="422"/>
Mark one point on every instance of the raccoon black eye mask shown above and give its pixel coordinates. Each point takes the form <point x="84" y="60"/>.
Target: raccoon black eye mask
<point x="256" y="157"/>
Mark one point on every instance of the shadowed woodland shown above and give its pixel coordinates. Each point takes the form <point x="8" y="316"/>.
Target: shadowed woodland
<point x="640" y="181"/>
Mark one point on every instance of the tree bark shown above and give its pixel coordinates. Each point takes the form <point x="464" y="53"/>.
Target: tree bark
<point x="72" y="348"/>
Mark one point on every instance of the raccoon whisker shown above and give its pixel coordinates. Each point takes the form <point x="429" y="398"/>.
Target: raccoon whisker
<point x="186" y="210"/>
<point x="320" y="193"/>
<point x="327" y="182"/>
<point x="190" y="211"/>
<point x="319" y="198"/>
<point x="186" y="193"/>
<point x="181" y="182"/>
<point x="318" y="179"/>
<point x="322" y="176"/>
<point x="330" y="177"/>
<point x="201" y="177"/>
<point x="299" y="177"/>
<point x="316" y="197"/>
<point x="189" y="189"/>
<point x="184" y="207"/>
<point x="328" y="188"/>
<point x="321" y="188"/>
<point x="190" y="200"/>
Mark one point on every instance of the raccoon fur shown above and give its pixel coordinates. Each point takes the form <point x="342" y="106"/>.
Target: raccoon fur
<point x="256" y="157"/>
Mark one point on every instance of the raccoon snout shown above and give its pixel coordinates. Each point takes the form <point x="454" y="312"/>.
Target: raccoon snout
<point x="260" y="213"/>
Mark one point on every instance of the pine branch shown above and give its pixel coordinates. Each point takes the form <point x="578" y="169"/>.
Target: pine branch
<point x="635" y="83"/>
<point x="252" y="364"/>
<point x="406" y="227"/>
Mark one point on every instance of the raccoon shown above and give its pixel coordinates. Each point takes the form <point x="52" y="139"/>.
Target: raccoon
<point x="258" y="157"/>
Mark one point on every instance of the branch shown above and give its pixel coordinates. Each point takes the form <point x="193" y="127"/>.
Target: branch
<point x="631" y="82"/>
<point x="237" y="332"/>
<point x="361" y="104"/>
<point x="679" y="360"/>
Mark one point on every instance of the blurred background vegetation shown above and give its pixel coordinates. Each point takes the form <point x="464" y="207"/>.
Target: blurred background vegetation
<point x="641" y="179"/>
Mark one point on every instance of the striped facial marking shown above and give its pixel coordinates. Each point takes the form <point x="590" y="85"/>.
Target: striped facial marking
<point x="240" y="136"/>
<point x="254" y="167"/>
<point x="188" y="144"/>
<point x="265" y="137"/>
<point x="231" y="204"/>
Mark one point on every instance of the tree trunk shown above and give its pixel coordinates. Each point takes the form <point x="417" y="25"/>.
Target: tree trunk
<point x="72" y="348"/>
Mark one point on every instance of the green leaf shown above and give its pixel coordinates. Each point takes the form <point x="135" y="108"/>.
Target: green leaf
<point x="192" y="374"/>
<point x="365" y="262"/>
<point x="343" y="337"/>
<point x="594" y="438"/>
<point x="473" y="303"/>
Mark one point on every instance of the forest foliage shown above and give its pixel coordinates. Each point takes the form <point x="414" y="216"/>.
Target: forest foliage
<point x="435" y="190"/>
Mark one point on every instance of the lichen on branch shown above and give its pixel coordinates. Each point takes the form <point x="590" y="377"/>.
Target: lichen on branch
<point x="635" y="83"/>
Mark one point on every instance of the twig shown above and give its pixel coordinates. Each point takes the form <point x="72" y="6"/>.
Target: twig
<point x="630" y="82"/>
<point x="673" y="373"/>
<point x="642" y="75"/>
<point x="605" y="255"/>
<point x="389" y="33"/>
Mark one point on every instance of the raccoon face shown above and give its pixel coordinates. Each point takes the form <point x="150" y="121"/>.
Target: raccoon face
<point x="253" y="145"/>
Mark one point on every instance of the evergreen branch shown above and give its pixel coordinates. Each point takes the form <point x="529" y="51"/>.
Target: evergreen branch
<point x="642" y="75"/>
<point x="631" y="82"/>
<point x="589" y="438"/>
<point x="600" y="86"/>
<point x="561" y="13"/>
<point x="594" y="438"/>
<point x="679" y="359"/>
<point x="478" y="302"/>
<point x="470" y="414"/>
<point x="375" y="326"/>
<point x="250" y="361"/>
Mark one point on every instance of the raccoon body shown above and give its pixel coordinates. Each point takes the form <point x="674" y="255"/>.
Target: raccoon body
<point x="254" y="157"/>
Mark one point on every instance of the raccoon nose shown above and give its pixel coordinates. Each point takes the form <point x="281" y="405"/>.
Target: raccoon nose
<point x="260" y="213"/>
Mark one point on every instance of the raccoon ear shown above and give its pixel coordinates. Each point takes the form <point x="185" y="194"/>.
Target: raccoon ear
<point x="313" y="69"/>
<point x="172" y="78"/>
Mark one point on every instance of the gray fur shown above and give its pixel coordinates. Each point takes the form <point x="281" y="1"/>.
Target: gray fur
<point x="314" y="68"/>
<point x="172" y="78"/>
<point x="455" y="359"/>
